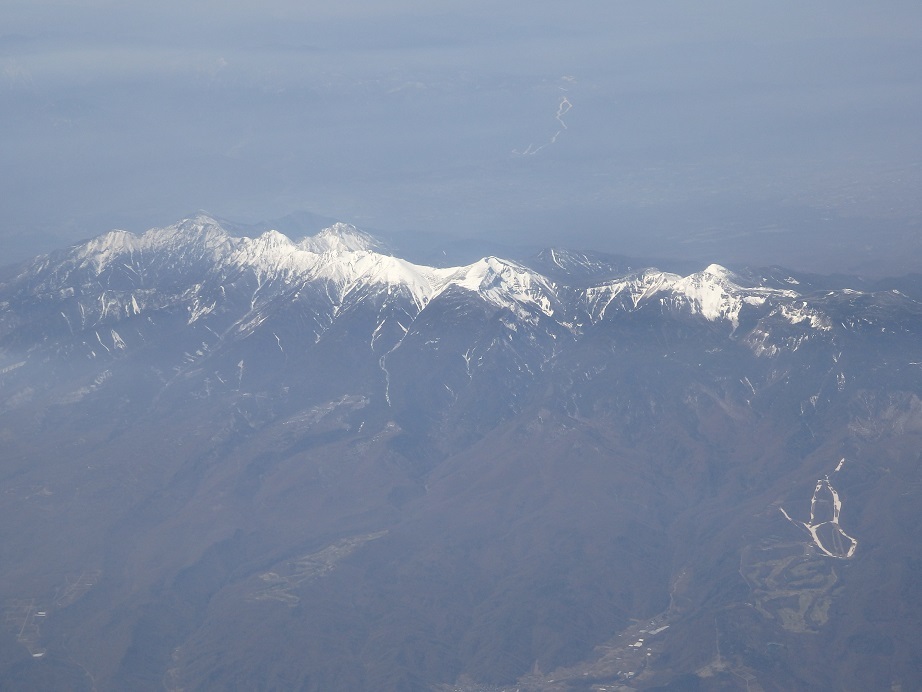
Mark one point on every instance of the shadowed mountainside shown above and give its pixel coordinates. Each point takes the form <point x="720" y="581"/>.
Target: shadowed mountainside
<point x="253" y="463"/>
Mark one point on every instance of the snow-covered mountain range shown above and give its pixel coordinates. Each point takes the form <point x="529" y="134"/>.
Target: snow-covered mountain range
<point x="100" y="293"/>
<point x="194" y="309"/>
<point x="219" y="450"/>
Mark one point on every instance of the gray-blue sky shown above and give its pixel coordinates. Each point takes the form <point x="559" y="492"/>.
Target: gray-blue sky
<point x="763" y="132"/>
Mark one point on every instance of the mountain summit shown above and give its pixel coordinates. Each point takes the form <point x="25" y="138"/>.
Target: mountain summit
<point x="310" y="464"/>
<point x="340" y="237"/>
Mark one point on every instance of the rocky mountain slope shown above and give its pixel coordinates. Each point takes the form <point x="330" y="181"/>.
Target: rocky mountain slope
<point x="253" y="462"/>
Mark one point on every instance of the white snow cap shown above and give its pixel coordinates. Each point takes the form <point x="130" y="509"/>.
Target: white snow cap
<point x="340" y="237"/>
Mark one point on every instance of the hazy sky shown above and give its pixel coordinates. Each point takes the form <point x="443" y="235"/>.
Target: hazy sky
<point x="738" y="131"/>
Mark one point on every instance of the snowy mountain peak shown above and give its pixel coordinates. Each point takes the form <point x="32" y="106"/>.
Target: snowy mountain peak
<point x="274" y="239"/>
<point x="506" y="284"/>
<point x="200" y="232"/>
<point x="199" y="223"/>
<point x="99" y="250"/>
<point x="715" y="294"/>
<point x="718" y="271"/>
<point x="339" y="238"/>
<point x="490" y="271"/>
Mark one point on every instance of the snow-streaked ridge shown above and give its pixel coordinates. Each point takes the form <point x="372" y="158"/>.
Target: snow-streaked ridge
<point x="200" y="236"/>
<point x="350" y="266"/>
<point x="342" y="255"/>
<point x="627" y="293"/>
<point x="504" y="284"/>
<point x="713" y="293"/>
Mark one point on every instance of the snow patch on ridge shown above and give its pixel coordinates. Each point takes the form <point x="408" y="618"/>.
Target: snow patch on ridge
<point x="798" y="314"/>
<point x="637" y="289"/>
